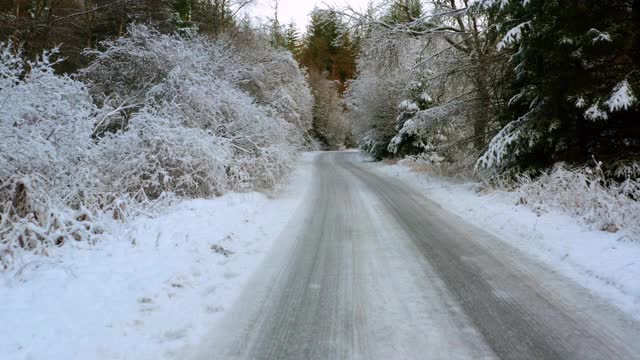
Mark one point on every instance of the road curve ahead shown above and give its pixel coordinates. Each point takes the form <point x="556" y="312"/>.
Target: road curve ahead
<point x="371" y="269"/>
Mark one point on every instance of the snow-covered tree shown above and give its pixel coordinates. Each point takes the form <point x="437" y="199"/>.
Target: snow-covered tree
<point x="442" y="58"/>
<point x="575" y="82"/>
<point x="457" y="34"/>
<point x="329" y="124"/>
<point x="374" y="97"/>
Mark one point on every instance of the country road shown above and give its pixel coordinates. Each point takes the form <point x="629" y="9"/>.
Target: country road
<point x="371" y="269"/>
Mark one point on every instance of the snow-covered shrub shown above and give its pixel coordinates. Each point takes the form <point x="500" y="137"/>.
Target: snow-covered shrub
<point x="273" y="77"/>
<point x="130" y="65"/>
<point x="159" y="116"/>
<point x="132" y="69"/>
<point x="187" y="87"/>
<point x="433" y="163"/>
<point x="45" y="125"/>
<point x="263" y="168"/>
<point x="157" y="154"/>
<point x="586" y="193"/>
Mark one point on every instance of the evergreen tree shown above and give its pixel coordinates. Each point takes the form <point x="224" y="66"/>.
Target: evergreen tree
<point x="277" y="37"/>
<point x="213" y="16"/>
<point x="183" y="8"/>
<point x="292" y="40"/>
<point x="328" y="48"/>
<point x="576" y="77"/>
<point x="404" y="11"/>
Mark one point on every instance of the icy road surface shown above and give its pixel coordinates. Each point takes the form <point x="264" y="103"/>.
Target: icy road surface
<point x="370" y="269"/>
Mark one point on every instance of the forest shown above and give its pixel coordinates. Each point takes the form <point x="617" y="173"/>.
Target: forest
<point x="534" y="96"/>
<point x="111" y="107"/>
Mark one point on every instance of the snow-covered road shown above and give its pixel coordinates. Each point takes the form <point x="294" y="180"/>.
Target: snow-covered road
<point x="370" y="269"/>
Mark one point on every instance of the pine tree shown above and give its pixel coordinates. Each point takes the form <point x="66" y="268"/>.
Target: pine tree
<point x="404" y="11"/>
<point x="575" y="81"/>
<point x="328" y="48"/>
<point x="292" y="40"/>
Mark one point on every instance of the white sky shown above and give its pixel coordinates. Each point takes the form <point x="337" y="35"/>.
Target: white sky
<point x="298" y="10"/>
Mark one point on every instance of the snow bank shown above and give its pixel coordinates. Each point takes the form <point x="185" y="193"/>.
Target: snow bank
<point x="606" y="263"/>
<point x="155" y="288"/>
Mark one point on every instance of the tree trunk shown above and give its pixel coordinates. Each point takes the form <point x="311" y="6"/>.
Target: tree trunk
<point x="636" y="32"/>
<point x="482" y="113"/>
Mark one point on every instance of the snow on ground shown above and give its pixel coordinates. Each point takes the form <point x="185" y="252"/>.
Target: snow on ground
<point x="606" y="263"/>
<point x="154" y="289"/>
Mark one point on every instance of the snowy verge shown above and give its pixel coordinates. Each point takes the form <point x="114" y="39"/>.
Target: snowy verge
<point x="155" y="288"/>
<point x="606" y="263"/>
